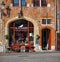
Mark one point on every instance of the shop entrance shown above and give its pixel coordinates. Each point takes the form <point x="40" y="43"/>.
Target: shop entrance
<point x="46" y="39"/>
<point x="21" y="31"/>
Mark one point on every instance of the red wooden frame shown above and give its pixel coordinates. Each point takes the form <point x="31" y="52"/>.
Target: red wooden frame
<point x="31" y="47"/>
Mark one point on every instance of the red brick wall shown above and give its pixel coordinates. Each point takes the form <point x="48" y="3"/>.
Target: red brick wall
<point x="32" y="12"/>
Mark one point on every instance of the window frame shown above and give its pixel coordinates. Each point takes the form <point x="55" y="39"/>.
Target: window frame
<point x="49" y="21"/>
<point x="44" y="4"/>
<point x="40" y="4"/>
<point x="46" y="21"/>
<point x="34" y="3"/>
<point x="14" y="3"/>
<point x="43" y="21"/>
<point x="19" y="3"/>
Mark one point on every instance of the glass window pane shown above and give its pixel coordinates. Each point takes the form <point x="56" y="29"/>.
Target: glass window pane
<point x="23" y="2"/>
<point x="21" y="22"/>
<point x="43" y="21"/>
<point x="36" y="3"/>
<point x="16" y="2"/>
<point x="48" y="21"/>
<point x="43" y="3"/>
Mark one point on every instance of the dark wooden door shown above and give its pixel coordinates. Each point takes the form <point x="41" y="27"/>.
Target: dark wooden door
<point x="46" y="40"/>
<point x="58" y="42"/>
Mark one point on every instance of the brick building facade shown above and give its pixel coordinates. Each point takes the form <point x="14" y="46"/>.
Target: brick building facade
<point x="38" y="19"/>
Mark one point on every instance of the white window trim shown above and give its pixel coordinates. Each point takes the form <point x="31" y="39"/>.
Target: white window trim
<point x="19" y="3"/>
<point x="40" y="3"/>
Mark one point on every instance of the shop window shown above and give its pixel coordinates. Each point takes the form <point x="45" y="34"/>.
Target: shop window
<point x="43" y="3"/>
<point x="21" y="31"/>
<point x="36" y="2"/>
<point x="19" y="2"/>
<point x="46" y="21"/>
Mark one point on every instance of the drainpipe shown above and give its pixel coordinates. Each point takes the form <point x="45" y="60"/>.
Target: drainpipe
<point x="56" y="14"/>
<point x="56" y="24"/>
<point x="21" y="12"/>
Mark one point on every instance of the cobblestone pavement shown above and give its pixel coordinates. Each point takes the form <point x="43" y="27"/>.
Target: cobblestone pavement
<point x="30" y="57"/>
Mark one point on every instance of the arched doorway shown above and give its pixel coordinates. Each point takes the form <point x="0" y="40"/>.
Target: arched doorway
<point x="21" y="31"/>
<point x="46" y="39"/>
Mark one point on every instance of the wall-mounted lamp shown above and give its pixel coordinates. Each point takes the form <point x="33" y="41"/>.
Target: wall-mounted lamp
<point x="7" y="9"/>
<point x="2" y="9"/>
